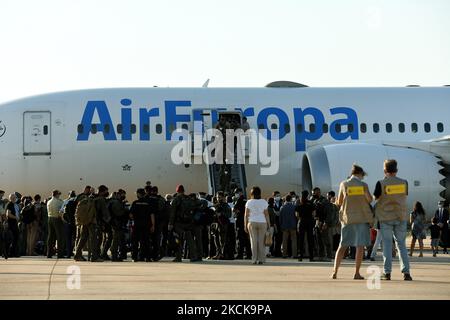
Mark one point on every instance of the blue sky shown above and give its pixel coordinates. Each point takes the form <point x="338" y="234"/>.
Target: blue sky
<point x="54" y="45"/>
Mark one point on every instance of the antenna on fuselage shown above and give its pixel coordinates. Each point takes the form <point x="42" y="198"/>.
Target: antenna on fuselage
<point x="205" y="85"/>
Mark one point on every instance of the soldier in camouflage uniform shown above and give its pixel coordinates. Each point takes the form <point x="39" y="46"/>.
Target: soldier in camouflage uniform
<point x="119" y="218"/>
<point x="87" y="234"/>
<point x="223" y="215"/>
<point x="182" y="222"/>
<point x="103" y="216"/>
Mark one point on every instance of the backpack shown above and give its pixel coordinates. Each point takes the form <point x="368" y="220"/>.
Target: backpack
<point x="28" y="215"/>
<point x="85" y="211"/>
<point x="200" y="213"/>
<point x="116" y="214"/>
<point x="187" y="210"/>
<point x="204" y="216"/>
<point x="69" y="211"/>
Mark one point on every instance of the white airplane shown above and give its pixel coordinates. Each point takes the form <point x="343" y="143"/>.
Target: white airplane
<point x="122" y="137"/>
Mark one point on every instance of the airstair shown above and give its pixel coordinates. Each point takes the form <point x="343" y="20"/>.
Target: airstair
<point x="227" y="177"/>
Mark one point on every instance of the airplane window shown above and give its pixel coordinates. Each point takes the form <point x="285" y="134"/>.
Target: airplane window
<point x="184" y="126"/>
<point x="350" y="127"/>
<point x="363" y="128"/>
<point x="401" y="127"/>
<point x="80" y="128"/>
<point x="427" y="127"/>
<point x="376" y="127"/>
<point x="146" y="128"/>
<point x="338" y="128"/>
<point x="45" y="130"/>
<point x="414" y="127"/>
<point x="312" y="127"/>
<point x="261" y="126"/>
<point x="106" y="128"/>
<point x="440" y="127"/>
<point x="94" y="128"/>
<point x="388" y="127"/>
<point x="299" y="127"/>
<point x="325" y="128"/>
<point x="133" y="128"/>
<point x="274" y="126"/>
<point x="287" y="128"/>
<point x="158" y="128"/>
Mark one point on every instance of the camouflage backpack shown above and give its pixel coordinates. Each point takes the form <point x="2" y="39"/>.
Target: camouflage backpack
<point x="85" y="211"/>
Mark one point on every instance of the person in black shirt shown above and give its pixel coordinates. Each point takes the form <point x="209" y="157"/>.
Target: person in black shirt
<point x="144" y="224"/>
<point x="305" y="213"/>
<point x="435" y="231"/>
<point x="278" y="234"/>
<point x="442" y="216"/>
<point x="157" y="207"/>
<point x="322" y="206"/>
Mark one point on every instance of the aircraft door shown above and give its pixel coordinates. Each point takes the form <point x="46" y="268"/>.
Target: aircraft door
<point x="36" y="133"/>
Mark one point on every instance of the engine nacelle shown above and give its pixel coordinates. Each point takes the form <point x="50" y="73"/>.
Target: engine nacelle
<point x="326" y="166"/>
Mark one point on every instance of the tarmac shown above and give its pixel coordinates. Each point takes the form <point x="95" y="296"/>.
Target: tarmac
<point x="40" y="278"/>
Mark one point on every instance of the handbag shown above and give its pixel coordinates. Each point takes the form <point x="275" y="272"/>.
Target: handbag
<point x="268" y="239"/>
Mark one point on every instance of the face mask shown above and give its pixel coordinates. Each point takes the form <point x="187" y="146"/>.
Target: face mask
<point x="277" y="198"/>
<point x="294" y="199"/>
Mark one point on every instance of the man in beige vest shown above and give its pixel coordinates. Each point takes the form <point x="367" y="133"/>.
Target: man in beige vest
<point x="355" y="216"/>
<point x="390" y="211"/>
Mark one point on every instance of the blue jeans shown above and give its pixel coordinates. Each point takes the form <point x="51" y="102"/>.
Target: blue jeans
<point x="397" y="229"/>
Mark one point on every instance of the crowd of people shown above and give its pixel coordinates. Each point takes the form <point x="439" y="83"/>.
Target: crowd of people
<point x="200" y="226"/>
<point x="216" y="223"/>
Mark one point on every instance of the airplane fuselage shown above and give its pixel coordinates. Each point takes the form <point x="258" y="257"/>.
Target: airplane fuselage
<point x="122" y="137"/>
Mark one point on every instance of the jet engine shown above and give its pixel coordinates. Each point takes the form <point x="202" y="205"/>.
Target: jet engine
<point x="428" y="177"/>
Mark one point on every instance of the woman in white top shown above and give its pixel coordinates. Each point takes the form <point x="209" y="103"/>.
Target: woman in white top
<point x="256" y="222"/>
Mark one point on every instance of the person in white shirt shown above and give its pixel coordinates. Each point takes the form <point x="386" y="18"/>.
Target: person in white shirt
<point x="55" y="226"/>
<point x="256" y="221"/>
